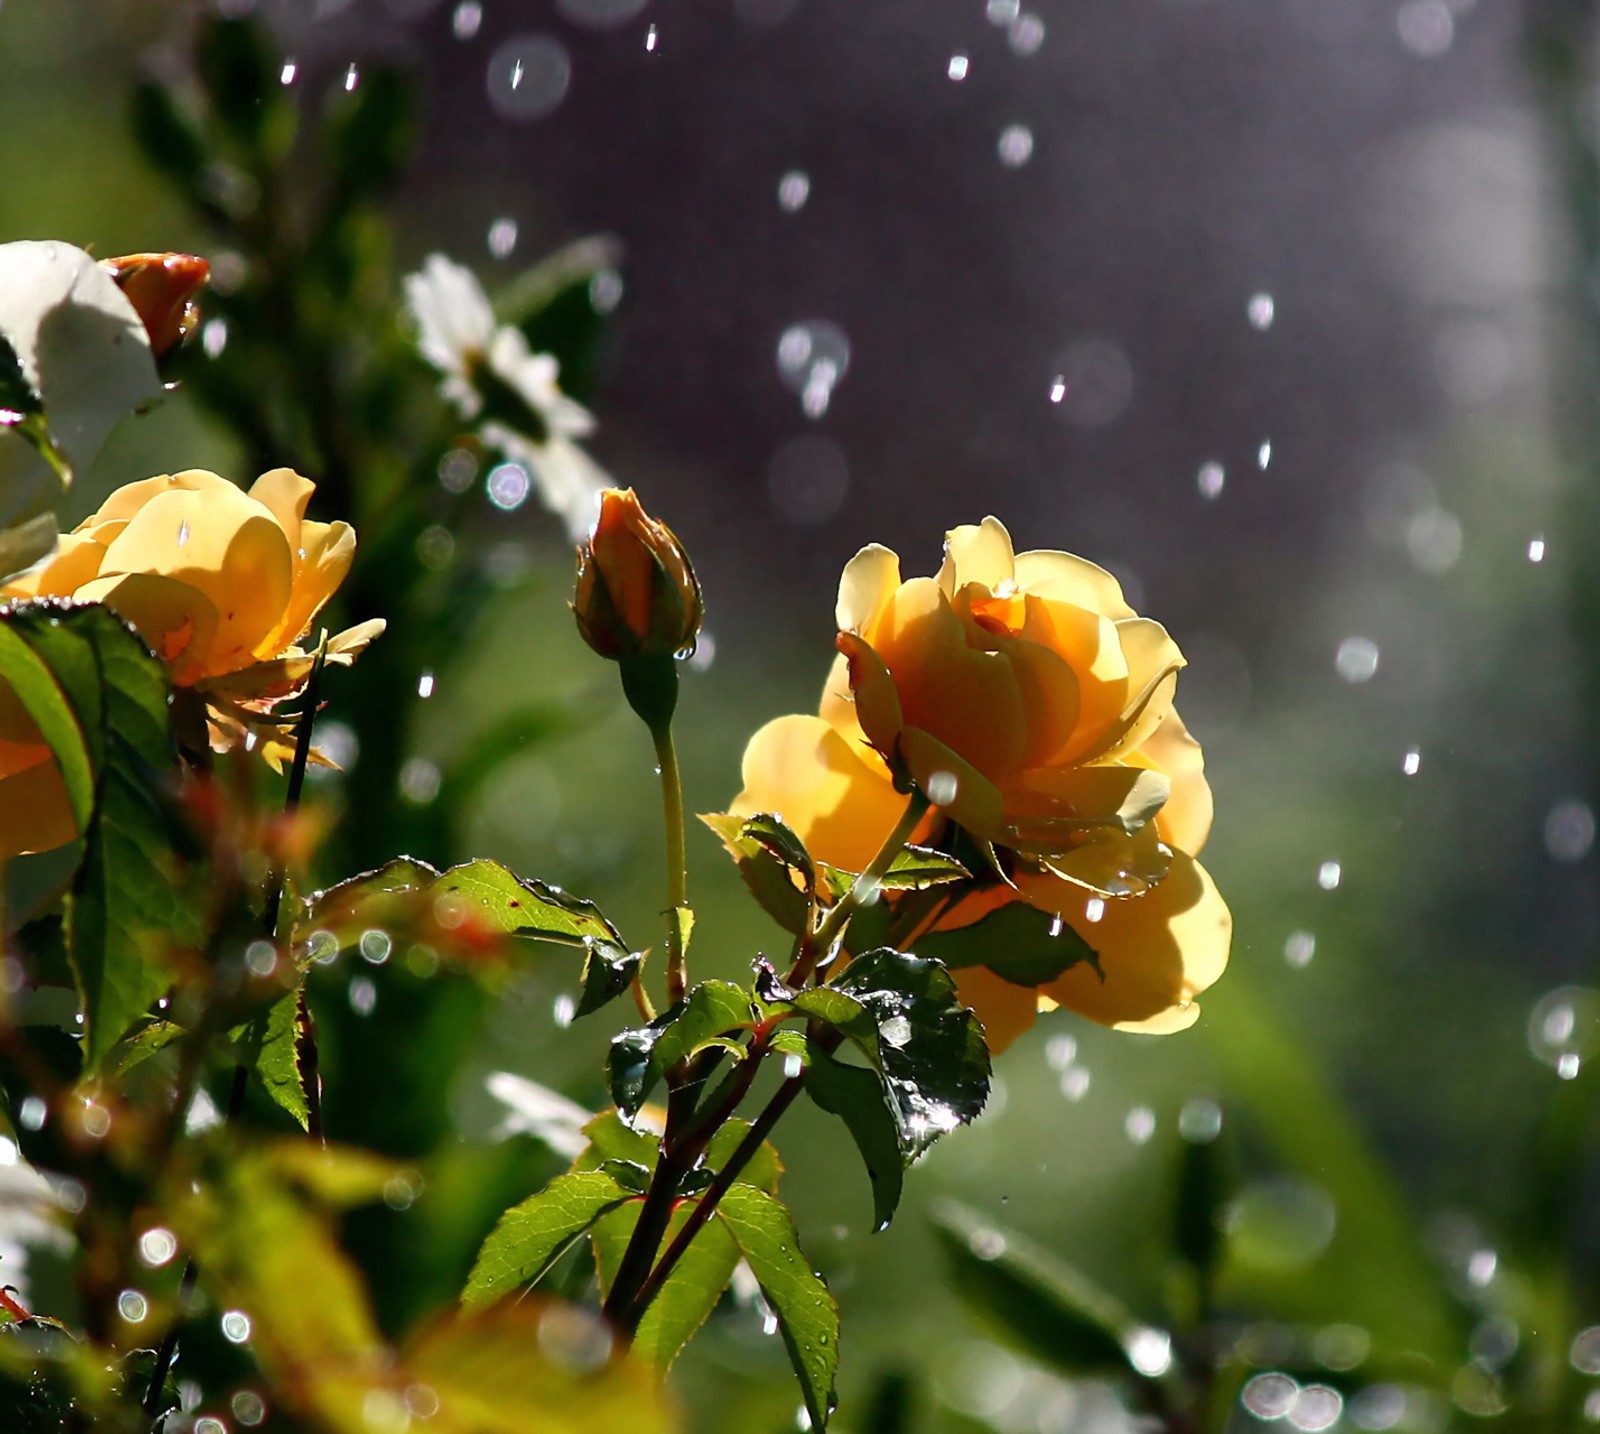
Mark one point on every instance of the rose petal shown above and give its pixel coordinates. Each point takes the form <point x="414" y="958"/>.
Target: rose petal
<point x="1005" y="1011"/>
<point x="324" y="557"/>
<point x="953" y="784"/>
<point x="977" y="553"/>
<point x="284" y="494"/>
<point x="176" y="620"/>
<point x="35" y="812"/>
<point x="836" y="796"/>
<point x="75" y="562"/>
<point x="869" y="581"/>
<point x="1185" y="820"/>
<point x="1064" y="577"/>
<point x="131" y="497"/>
<point x="875" y="701"/>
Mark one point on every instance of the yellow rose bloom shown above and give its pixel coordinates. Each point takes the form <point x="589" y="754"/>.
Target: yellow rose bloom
<point x="220" y="584"/>
<point x="1033" y="707"/>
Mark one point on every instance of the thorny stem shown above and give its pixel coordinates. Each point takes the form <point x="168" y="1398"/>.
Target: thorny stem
<point x="677" y="864"/>
<point x="193" y="1049"/>
<point x="863" y="892"/>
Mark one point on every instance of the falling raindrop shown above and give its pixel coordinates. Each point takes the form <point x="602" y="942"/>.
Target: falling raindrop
<point x="1536" y="548"/>
<point x="1095" y="377"/>
<point x="957" y="68"/>
<point x="1025" y="34"/>
<point x="1015" y="145"/>
<point x="1094" y="909"/>
<point x="1329" y="875"/>
<point x="261" y="958"/>
<point x="1357" y="659"/>
<point x="1002" y="12"/>
<point x="1075" y="1082"/>
<point x="420" y="781"/>
<point x="813" y="357"/>
<point x="1140" y="1124"/>
<point x="375" y="946"/>
<point x="1569" y="830"/>
<point x="1564" y="1028"/>
<point x="466" y="20"/>
<point x="132" y="1306"/>
<point x="1200" y="1121"/>
<point x="1058" y="388"/>
<point x="942" y="788"/>
<point x="1411" y="763"/>
<point x="33" y="1113"/>
<point x="1264" y="455"/>
<point x="564" y="1010"/>
<point x="508" y="486"/>
<point x="235" y="1326"/>
<point x="214" y="336"/>
<point x="1261" y="311"/>
<point x="528" y="77"/>
<point x="650" y="40"/>
<point x="288" y="72"/>
<point x="1426" y="27"/>
<point x="1316" y="1407"/>
<point x="363" y="995"/>
<point x="157" y="1246"/>
<point x="502" y="237"/>
<point x="248" y="1408"/>
<point x="1150" y="1352"/>
<point x="793" y="190"/>
<point x="1270" y="1396"/>
<point x="1210" y="480"/>
<point x="1060" y="1052"/>
<point x="352" y="78"/>
<point x="425" y="686"/>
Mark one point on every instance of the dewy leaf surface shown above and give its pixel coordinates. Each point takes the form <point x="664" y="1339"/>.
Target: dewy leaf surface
<point x="808" y="1318"/>
<point x="530" y="1237"/>
<point x="640" y="1057"/>
<point x="857" y="1096"/>
<point x="773" y="863"/>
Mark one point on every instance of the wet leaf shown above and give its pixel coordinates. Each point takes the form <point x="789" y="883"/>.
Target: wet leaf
<point x="858" y="1097"/>
<point x="276" y="1056"/>
<point x="764" y="1167"/>
<point x="1017" y="942"/>
<point x="612" y="1138"/>
<point x="608" y="971"/>
<point x="532" y="1236"/>
<point x="773" y="862"/>
<point x="927" y="1045"/>
<point x="138" y="1046"/>
<point x="690" y="1292"/>
<point x="914" y="869"/>
<point x="640" y="1057"/>
<point x="808" y="1318"/>
<point x="1041" y="1304"/>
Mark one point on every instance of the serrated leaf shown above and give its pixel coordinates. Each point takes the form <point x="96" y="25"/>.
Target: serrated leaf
<point x="629" y="1174"/>
<point x="135" y="1048"/>
<point x="530" y="1237"/>
<point x="1039" y="1302"/>
<point x="277" y="1056"/>
<point x="608" y="971"/>
<point x="1018" y="942"/>
<point x="857" y="1096"/>
<point x="929" y="1047"/>
<point x="773" y="863"/>
<point x="914" y="869"/>
<point x="612" y="1138"/>
<point x="689" y="1293"/>
<point x="640" y="1057"/>
<point x="808" y="1318"/>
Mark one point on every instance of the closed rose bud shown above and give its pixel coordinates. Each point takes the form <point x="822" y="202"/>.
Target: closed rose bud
<point x="637" y="595"/>
<point x="161" y="288"/>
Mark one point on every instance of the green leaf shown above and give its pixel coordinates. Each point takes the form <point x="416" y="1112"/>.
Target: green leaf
<point x="1018" y="942"/>
<point x="807" y="1315"/>
<point x="858" y="1098"/>
<point x="689" y="1293"/>
<point x="608" y="971"/>
<point x="1036" y="1300"/>
<point x="138" y="1046"/>
<point x="773" y="862"/>
<point x="612" y="1138"/>
<point x="277" y="1055"/>
<point x="765" y="1166"/>
<point x="639" y="1058"/>
<point x="530" y="1237"/>
<point x="914" y="869"/>
<point x="28" y="675"/>
<point x="912" y="1027"/>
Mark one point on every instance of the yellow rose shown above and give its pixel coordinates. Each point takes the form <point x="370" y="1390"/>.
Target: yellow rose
<point x="220" y="584"/>
<point x="1033" y="707"/>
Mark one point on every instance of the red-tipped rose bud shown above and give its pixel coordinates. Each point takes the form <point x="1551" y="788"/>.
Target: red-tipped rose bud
<point x="161" y="288"/>
<point x="637" y="595"/>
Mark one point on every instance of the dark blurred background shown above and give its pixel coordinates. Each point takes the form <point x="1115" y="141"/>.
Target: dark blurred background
<point x="1268" y="307"/>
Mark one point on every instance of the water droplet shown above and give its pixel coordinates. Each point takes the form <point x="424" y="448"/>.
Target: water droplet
<point x="1433" y="538"/>
<point x="808" y="478"/>
<point x="1140" y="1124"/>
<point x="812" y="357"/>
<point x="1150" y="1352"/>
<point x="704" y="654"/>
<point x="508" y="486"/>
<point x="1270" y="1396"/>
<point x="1569" y="830"/>
<point x="33" y="1113"/>
<point x="235" y="1326"/>
<point x="1411" y="763"/>
<point x="287" y="74"/>
<point x="1001" y="12"/>
<point x="1565" y="1023"/>
<point x="1096" y="382"/>
<point x="605" y="291"/>
<point x="1200" y="1121"/>
<point x="1316" y="1407"/>
<point x="352" y="78"/>
<point x="214" y="337"/>
<point x="1260" y="311"/>
<point x="1057" y="925"/>
<point x="248" y="1408"/>
<point x="157" y="1246"/>
<point x="1536" y="548"/>
<point x="502" y="237"/>
<point x="183" y="532"/>
<point x="1585" y="1354"/>
<point x="1210" y="479"/>
<point x="957" y="68"/>
<point x="1075" y="1082"/>
<point x="792" y="1066"/>
<point x="261" y="958"/>
<point x="600" y="14"/>
<point x="1015" y="146"/>
<point x="1329" y="875"/>
<point x="1357" y="659"/>
<point x="1058" y="388"/>
<point x="337" y="742"/>
<point x="1568" y="1066"/>
<point x="425" y="686"/>
<point x="896" y="1031"/>
<point x="466" y="20"/>
<point x="375" y="946"/>
<point x="363" y="995"/>
<point x="528" y="77"/>
<point x="564" y="1009"/>
<point x="650" y="40"/>
<point x="420" y="780"/>
<point x="1060" y="1052"/>
<point x="132" y="1306"/>
<point x="1264" y="455"/>
<point x="793" y="190"/>
<point x="207" y="1425"/>
<point x="1025" y="34"/>
<point x="1481" y="1267"/>
<point x="1378" y="1407"/>
<point x="1094" y="909"/>
<point x="987" y="1244"/>
<point x="1426" y="27"/>
<point x="943" y="788"/>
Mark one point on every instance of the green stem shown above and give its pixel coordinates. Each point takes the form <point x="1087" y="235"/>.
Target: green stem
<point x="863" y="892"/>
<point x="677" y="863"/>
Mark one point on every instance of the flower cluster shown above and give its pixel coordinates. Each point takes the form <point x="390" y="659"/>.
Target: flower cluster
<point x="1034" y="709"/>
<point x="496" y="381"/>
<point x="221" y="585"/>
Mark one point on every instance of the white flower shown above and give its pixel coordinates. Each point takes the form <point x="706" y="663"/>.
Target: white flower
<point x="457" y="334"/>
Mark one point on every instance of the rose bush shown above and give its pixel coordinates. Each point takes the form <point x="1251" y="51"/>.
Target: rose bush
<point x="220" y="584"/>
<point x="1034" y="708"/>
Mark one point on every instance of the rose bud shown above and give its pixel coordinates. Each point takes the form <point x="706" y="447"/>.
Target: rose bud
<point x="637" y="595"/>
<point x="161" y="288"/>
